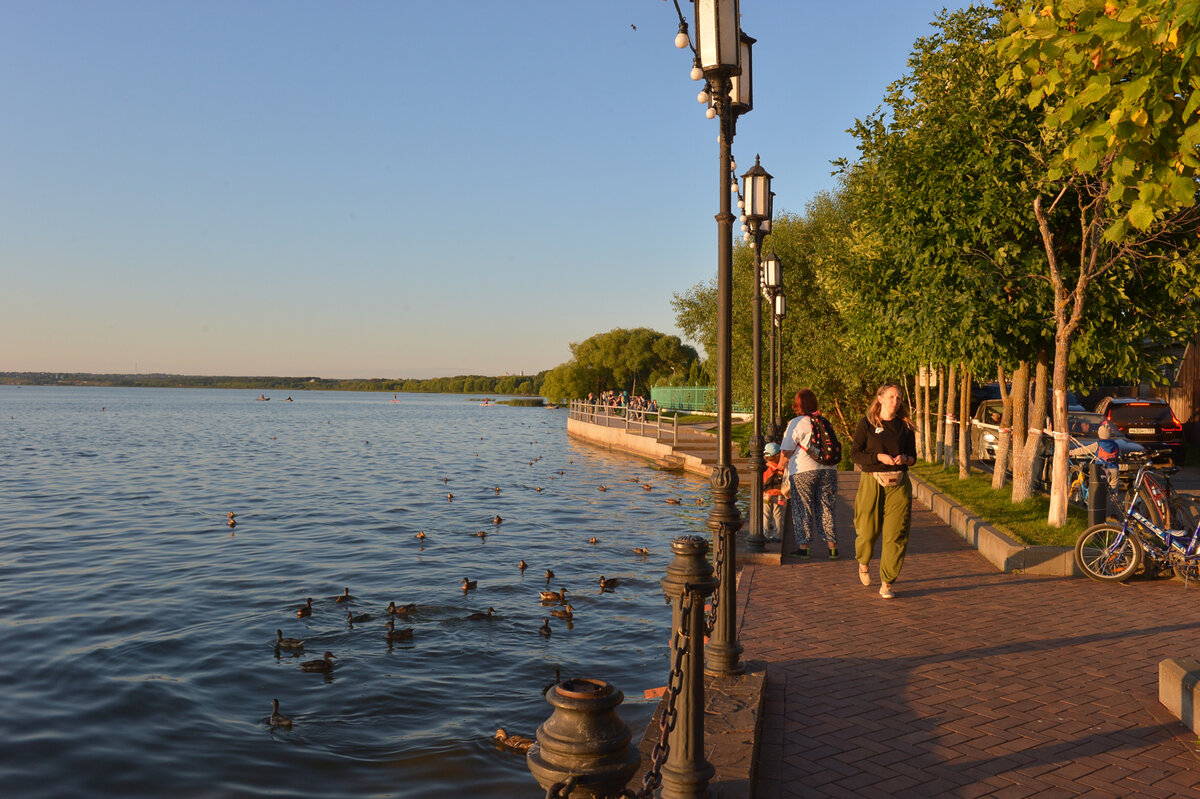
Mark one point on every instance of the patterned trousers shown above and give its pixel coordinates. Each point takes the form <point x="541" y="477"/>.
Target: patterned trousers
<point x="813" y="496"/>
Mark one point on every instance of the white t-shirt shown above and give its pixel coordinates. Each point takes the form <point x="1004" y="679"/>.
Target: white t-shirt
<point x="796" y="442"/>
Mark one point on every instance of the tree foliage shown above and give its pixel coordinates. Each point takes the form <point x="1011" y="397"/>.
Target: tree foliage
<point x="622" y="359"/>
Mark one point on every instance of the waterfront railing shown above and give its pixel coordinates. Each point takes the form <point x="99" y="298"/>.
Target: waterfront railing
<point x="636" y="420"/>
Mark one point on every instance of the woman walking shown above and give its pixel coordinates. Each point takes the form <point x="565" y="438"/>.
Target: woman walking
<point x="814" y="484"/>
<point x="884" y="447"/>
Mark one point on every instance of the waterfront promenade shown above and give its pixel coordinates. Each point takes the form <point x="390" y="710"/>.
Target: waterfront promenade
<point x="971" y="682"/>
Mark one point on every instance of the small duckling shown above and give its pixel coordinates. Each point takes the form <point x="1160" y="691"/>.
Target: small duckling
<point x="673" y="500"/>
<point x="287" y="643"/>
<point x="359" y="619"/>
<point x="305" y="609"/>
<point x="602" y="488"/>
<point x="496" y="519"/>
<point x="277" y="719"/>
<point x="420" y="535"/>
<point x="564" y="613"/>
<point x="545" y="628"/>
<point x="549" y="576"/>
<point x="467" y="585"/>
<point x="325" y="665"/>
<point x="609" y="582"/>
<point x="522" y="565"/>
<point x="398" y="635"/>
<point x="400" y="610"/>
<point x="641" y="551"/>
<point x="450" y="497"/>
<point x="554" y="596"/>
<point x="517" y="743"/>
<point x="490" y="614"/>
<point x="593" y="540"/>
<point x="344" y="597"/>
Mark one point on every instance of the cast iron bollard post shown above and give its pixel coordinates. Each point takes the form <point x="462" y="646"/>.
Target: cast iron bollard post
<point x="1097" y="495"/>
<point x="686" y="773"/>
<point x="584" y="741"/>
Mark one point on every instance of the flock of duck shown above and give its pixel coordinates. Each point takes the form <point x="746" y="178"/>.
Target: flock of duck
<point x="552" y="602"/>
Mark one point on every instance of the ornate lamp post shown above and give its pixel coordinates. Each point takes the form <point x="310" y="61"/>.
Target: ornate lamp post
<point x="756" y="191"/>
<point x="719" y="48"/>
<point x="772" y="279"/>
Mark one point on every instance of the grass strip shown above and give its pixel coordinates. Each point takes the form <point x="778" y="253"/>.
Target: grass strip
<point x="1023" y="521"/>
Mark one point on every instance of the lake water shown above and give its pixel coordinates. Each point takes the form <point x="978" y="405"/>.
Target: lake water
<point x="137" y="633"/>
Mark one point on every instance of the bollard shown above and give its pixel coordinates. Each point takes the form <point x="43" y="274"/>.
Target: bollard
<point x="584" y="740"/>
<point x="1097" y="507"/>
<point x="685" y="772"/>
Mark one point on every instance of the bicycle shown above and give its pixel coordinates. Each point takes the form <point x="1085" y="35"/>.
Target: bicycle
<point x="1155" y="488"/>
<point x="1111" y="552"/>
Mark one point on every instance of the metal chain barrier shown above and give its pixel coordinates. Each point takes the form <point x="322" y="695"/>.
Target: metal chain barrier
<point x="666" y="722"/>
<point x="718" y="569"/>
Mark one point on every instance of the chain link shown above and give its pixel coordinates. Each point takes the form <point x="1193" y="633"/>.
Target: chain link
<point x="718" y="567"/>
<point x="562" y="789"/>
<point x="666" y="722"/>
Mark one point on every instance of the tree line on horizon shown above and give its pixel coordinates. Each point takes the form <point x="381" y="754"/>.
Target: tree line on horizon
<point x="521" y="385"/>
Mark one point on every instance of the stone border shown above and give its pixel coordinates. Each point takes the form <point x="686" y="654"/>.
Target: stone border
<point x="1004" y="553"/>
<point x="1179" y="690"/>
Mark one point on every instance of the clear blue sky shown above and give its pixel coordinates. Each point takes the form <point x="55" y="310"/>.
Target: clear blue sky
<point x="387" y="189"/>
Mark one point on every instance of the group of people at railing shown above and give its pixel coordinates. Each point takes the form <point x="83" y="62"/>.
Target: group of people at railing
<point x="620" y="403"/>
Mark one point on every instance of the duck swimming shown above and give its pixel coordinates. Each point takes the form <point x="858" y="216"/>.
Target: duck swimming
<point x="344" y="597"/>
<point x="232" y="520"/>
<point x="554" y="596"/>
<point x="467" y="585"/>
<point x="517" y="743"/>
<point x="398" y="635"/>
<point x="482" y="534"/>
<point x="287" y="643"/>
<point x="522" y="565"/>
<point x="359" y="619"/>
<point x="497" y="489"/>
<point x="490" y="614"/>
<point x="593" y="540"/>
<point x="325" y="665"/>
<point x="449" y="497"/>
<point x="609" y="582"/>
<point x="673" y="500"/>
<point x="545" y="628"/>
<point x="563" y="613"/>
<point x="602" y="488"/>
<point x="549" y="575"/>
<point x="400" y="610"/>
<point x="305" y="609"/>
<point x="496" y="519"/>
<point x="641" y="551"/>
<point x="421" y="535"/>
<point x="277" y="719"/>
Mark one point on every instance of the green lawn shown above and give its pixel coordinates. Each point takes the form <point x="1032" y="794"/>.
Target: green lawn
<point x="1025" y="522"/>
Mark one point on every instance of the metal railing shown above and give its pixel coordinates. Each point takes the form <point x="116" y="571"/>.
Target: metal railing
<point x="641" y="421"/>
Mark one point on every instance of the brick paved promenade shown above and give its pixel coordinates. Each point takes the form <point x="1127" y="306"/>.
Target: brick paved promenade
<point x="970" y="682"/>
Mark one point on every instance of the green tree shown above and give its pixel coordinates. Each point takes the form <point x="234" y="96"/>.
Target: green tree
<point x="622" y="360"/>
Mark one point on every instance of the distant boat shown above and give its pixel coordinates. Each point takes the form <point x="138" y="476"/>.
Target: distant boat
<point x="262" y="398"/>
<point x="486" y="403"/>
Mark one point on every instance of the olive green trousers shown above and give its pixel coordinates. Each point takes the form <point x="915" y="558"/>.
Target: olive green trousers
<point x="882" y="513"/>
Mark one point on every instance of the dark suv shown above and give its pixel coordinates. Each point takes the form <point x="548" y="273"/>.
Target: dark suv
<point x="1146" y="421"/>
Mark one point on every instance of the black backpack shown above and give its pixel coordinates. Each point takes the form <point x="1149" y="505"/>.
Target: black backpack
<point x="828" y="450"/>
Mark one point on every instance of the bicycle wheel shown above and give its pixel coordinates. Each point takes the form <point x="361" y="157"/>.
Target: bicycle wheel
<point x="1104" y="552"/>
<point x="1188" y="572"/>
<point x="1185" y="512"/>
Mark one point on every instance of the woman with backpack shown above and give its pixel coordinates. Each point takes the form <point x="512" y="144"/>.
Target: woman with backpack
<point x="814" y="483"/>
<point x="884" y="447"/>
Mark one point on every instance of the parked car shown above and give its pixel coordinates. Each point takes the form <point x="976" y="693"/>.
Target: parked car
<point x="1149" y="422"/>
<point x="1081" y="425"/>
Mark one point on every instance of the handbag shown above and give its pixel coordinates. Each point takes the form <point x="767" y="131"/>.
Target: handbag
<point x="888" y="479"/>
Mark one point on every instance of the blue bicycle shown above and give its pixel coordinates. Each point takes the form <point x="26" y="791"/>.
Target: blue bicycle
<point x="1114" y="551"/>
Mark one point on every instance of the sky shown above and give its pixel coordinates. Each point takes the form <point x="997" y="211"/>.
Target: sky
<point x="388" y="189"/>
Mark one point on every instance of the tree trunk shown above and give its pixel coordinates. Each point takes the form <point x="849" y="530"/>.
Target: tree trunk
<point x="1060" y="468"/>
<point x="916" y="406"/>
<point x="964" y="421"/>
<point x="1004" y="435"/>
<point x="951" y="408"/>
<point x="1024" y="458"/>
<point x="925" y="420"/>
<point x="941" y="414"/>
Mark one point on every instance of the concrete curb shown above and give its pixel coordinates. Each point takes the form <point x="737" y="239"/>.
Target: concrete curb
<point x="1179" y="690"/>
<point x="1001" y="551"/>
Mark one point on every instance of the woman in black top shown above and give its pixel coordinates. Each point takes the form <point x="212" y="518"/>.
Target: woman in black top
<point x="884" y="446"/>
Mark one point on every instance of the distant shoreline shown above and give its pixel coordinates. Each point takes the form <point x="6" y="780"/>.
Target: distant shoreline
<point x="518" y="385"/>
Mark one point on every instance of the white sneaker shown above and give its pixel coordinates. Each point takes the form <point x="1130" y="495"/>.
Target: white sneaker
<point x="885" y="591"/>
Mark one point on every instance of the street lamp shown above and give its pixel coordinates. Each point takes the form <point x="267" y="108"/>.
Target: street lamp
<point x="719" y="45"/>
<point x="756" y="193"/>
<point x="780" y="311"/>
<point x="772" y="279"/>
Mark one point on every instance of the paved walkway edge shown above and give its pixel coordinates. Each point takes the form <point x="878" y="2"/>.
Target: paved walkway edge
<point x="1001" y="551"/>
<point x="1179" y="690"/>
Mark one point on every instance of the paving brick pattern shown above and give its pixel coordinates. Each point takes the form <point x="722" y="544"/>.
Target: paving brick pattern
<point x="970" y="682"/>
